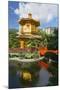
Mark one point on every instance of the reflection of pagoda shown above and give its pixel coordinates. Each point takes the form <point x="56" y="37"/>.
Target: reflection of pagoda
<point x="28" y="30"/>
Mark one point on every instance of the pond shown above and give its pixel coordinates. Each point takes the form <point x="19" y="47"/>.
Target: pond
<point x="15" y="81"/>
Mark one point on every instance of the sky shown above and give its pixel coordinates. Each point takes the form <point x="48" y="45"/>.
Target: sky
<point x="47" y="14"/>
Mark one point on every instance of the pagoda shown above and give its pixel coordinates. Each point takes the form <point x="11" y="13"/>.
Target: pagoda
<point x="28" y="30"/>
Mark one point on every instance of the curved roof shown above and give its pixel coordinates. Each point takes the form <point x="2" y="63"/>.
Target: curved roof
<point x="29" y="20"/>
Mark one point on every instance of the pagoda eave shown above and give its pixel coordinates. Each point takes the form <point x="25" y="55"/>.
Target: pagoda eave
<point x="29" y="36"/>
<point x="32" y="21"/>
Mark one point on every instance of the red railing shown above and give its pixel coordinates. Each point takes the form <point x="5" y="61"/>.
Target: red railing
<point x="42" y="51"/>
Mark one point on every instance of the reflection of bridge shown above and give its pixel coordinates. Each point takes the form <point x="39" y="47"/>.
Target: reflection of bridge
<point x="26" y="60"/>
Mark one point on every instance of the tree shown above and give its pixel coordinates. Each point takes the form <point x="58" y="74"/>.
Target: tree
<point x="53" y="40"/>
<point x="13" y="40"/>
<point x="38" y="42"/>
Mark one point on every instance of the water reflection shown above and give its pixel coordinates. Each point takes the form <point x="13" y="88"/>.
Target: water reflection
<point x="43" y="77"/>
<point x="15" y="80"/>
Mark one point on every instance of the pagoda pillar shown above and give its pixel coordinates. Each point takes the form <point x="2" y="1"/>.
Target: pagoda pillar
<point x="22" y="44"/>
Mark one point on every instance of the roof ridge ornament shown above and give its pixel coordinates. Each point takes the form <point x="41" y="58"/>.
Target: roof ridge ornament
<point x="29" y="15"/>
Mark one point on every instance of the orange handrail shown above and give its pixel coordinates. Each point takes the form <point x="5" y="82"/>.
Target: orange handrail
<point x="42" y="51"/>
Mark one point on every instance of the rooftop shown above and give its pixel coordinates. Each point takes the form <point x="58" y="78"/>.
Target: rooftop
<point x="29" y="20"/>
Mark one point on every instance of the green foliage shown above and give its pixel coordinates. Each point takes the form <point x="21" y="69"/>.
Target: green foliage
<point x="53" y="40"/>
<point x="53" y="80"/>
<point x="43" y="41"/>
<point x="33" y="43"/>
<point x="13" y="55"/>
<point x="28" y="55"/>
<point x="38" y="42"/>
<point x="13" y="40"/>
<point x="21" y="55"/>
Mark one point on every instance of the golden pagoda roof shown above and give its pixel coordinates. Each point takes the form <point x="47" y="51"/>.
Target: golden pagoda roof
<point x="29" y="20"/>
